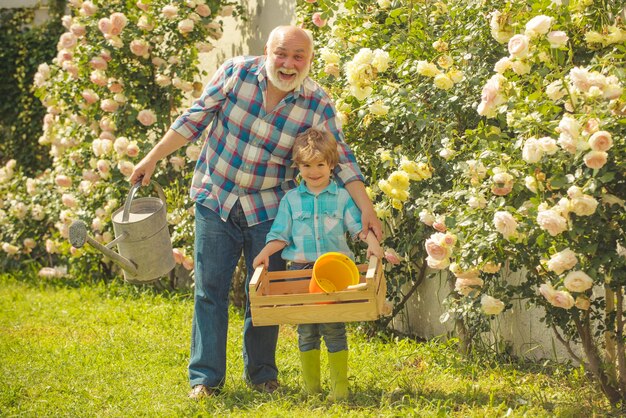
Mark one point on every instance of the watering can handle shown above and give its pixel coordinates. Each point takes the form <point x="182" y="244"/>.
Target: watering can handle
<point x="131" y="195"/>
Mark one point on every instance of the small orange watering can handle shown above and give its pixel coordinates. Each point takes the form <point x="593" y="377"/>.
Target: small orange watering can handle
<point x="131" y="195"/>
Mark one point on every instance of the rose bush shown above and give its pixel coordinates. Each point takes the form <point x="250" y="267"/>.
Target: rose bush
<point x="524" y="146"/>
<point x="123" y="70"/>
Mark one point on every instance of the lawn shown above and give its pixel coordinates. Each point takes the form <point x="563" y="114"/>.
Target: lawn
<point x="112" y="350"/>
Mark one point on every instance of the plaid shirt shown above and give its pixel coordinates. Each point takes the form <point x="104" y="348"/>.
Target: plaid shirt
<point x="312" y="225"/>
<point x="247" y="152"/>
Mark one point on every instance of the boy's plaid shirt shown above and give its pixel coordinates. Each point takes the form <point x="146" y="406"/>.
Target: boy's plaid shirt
<point x="247" y="152"/>
<point x="312" y="225"/>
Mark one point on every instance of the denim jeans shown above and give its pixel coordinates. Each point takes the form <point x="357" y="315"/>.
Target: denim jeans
<point x="310" y="335"/>
<point x="218" y="246"/>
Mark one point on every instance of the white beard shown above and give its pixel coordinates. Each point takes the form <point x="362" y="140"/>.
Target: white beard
<point x="286" y="86"/>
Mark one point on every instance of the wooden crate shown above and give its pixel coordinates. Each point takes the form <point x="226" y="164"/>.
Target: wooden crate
<point x="282" y="297"/>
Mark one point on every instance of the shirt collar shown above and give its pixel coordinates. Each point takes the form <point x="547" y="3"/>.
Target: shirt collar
<point x="332" y="188"/>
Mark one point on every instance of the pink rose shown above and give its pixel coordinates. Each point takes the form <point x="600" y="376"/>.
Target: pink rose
<point x="115" y="87"/>
<point x="435" y="250"/>
<point x="106" y="124"/>
<point x="140" y="47"/>
<point x="177" y="162"/>
<point x="63" y="181"/>
<point x="126" y="168"/>
<point x="179" y="255"/>
<point x="185" y="26"/>
<point x="582" y="303"/>
<point x="392" y="256"/>
<point x="188" y="263"/>
<point x="518" y="46"/>
<point x="90" y="96"/>
<point x="78" y="30"/>
<point x="104" y="168"/>
<point x="67" y="41"/>
<point x="169" y="11"/>
<point x="203" y="10"/>
<point x="118" y="23"/>
<point x="120" y="145"/>
<point x="192" y="152"/>
<point x="132" y="150"/>
<point x="440" y="226"/>
<point x="318" y="21"/>
<point x="146" y="117"/>
<point x="105" y="25"/>
<point x="68" y="200"/>
<point x="601" y="141"/>
<point x="98" y="63"/>
<point x="109" y="105"/>
<point x="98" y="77"/>
<point x="88" y="8"/>
<point x="143" y="6"/>
<point x="595" y="159"/>
<point x="562" y="299"/>
<point x="162" y="80"/>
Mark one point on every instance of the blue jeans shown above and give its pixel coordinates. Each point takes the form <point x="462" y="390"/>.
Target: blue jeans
<point x="218" y="246"/>
<point x="310" y="335"/>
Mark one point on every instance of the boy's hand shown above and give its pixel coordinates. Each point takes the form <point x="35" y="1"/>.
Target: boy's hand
<point x="374" y="248"/>
<point x="261" y="259"/>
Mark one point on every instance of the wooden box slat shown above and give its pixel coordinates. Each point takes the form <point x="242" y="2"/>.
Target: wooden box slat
<point x="282" y="297"/>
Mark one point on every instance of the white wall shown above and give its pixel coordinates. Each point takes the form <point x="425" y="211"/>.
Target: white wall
<point x="519" y="327"/>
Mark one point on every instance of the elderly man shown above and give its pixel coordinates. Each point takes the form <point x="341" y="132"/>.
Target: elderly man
<point x="254" y="107"/>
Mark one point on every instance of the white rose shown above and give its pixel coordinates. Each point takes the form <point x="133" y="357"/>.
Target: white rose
<point x="502" y="65"/>
<point x="520" y="67"/>
<point x="378" y="108"/>
<point x="538" y="25"/>
<point x="557" y="39"/>
<point x="532" y="152"/>
<point x="477" y="202"/>
<point x="518" y="46"/>
<point x="555" y="90"/>
<point x="562" y="261"/>
<point x="577" y="281"/>
<point x="491" y="305"/>
<point x="531" y="183"/>
<point x="437" y="264"/>
<point x="380" y="60"/>
<point x="584" y="205"/>
<point x="551" y="221"/>
<point x="505" y="224"/>
<point x="548" y="145"/>
<point x="443" y="82"/>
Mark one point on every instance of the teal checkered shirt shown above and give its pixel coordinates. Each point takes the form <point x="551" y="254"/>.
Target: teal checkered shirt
<point x="312" y="225"/>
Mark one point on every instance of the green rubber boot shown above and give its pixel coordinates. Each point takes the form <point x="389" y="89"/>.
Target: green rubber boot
<point x="310" y="361"/>
<point x="338" y="363"/>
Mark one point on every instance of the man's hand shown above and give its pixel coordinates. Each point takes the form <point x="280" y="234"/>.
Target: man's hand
<point x="143" y="171"/>
<point x="371" y="223"/>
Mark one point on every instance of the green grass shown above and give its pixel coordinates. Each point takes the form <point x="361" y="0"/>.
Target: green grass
<point x="115" y="351"/>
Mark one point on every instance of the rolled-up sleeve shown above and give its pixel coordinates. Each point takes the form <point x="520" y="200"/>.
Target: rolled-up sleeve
<point x="347" y="170"/>
<point x="192" y="123"/>
<point x="281" y="228"/>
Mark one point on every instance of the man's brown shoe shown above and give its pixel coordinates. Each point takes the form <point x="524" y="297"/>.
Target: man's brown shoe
<point x="201" y="391"/>
<point x="267" y="387"/>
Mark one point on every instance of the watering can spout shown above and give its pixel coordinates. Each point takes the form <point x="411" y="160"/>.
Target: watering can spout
<point x="78" y="237"/>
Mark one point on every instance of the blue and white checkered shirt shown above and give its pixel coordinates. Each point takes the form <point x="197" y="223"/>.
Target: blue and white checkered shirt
<point x="312" y="225"/>
<point x="247" y="153"/>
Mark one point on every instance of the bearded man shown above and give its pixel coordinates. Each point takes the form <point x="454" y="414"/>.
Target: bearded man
<point x="253" y="108"/>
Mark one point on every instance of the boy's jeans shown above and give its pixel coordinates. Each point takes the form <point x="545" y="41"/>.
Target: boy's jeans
<point x="218" y="246"/>
<point x="309" y="335"/>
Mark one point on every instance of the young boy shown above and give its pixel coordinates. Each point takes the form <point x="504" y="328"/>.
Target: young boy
<point x="313" y="219"/>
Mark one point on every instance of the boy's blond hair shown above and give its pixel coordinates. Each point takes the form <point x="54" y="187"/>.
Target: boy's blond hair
<point x="315" y="144"/>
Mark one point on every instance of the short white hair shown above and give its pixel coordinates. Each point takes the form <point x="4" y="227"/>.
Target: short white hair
<point x="278" y="29"/>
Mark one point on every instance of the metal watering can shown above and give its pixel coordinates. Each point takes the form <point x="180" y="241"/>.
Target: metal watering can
<point x="141" y="235"/>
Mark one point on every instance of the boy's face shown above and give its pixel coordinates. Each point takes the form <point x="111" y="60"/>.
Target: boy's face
<point x="316" y="174"/>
